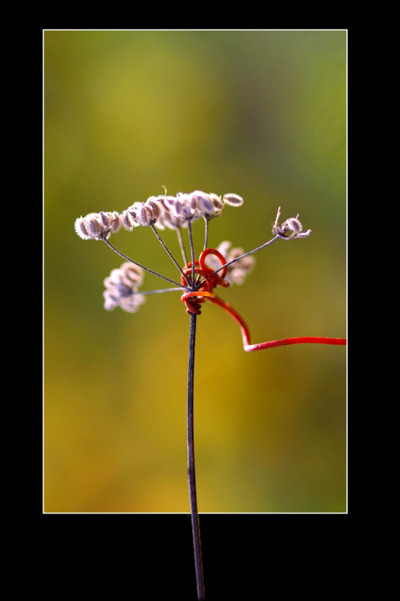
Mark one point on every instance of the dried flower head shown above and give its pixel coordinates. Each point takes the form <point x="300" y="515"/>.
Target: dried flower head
<point x="122" y="288"/>
<point x="220" y="266"/>
<point x="97" y="226"/>
<point x="290" y="228"/>
<point x="214" y="209"/>
<point x="182" y="208"/>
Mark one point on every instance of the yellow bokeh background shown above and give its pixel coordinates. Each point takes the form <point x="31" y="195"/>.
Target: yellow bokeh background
<point x="258" y="113"/>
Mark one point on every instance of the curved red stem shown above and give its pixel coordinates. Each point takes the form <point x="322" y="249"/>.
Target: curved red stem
<point x="271" y="343"/>
<point x="193" y="301"/>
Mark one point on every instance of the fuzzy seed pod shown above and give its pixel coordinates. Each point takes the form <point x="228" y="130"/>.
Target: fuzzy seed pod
<point x="203" y="202"/>
<point x="169" y="220"/>
<point x="185" y="207"/>
<point x="115" y="221"/>
<point x="234" y="200"/>
<point x="217" y="206"/>
<point x="292" y="224"/>
<point x="142" y="213"/>
<point x="168" y="202"/>
<point x="155" y="207"/>
<point x="128" y="221"/>
<point x="94" y="226"/>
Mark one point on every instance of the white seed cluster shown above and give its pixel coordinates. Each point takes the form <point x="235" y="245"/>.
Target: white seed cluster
<point x="122" y="288"/>
<point x="162" y="211"/>
<point x="96" y="226"/>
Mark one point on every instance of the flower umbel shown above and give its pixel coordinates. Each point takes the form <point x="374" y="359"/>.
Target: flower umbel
<point x="221" y="266"/>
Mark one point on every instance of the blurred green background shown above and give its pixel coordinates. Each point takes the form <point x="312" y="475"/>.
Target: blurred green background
<point x="258" y="113"/>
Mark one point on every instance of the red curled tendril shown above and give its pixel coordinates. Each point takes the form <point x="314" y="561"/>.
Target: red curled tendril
<point x="193" y="301"/>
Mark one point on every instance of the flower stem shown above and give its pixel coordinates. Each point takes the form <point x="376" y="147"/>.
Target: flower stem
<point x="250" y="252"/>
<point x="191" y="464"/>
<point x="181" y="245"/>
<point x="161" y="241"/>
<point x="142" y="266"/>
<point x="192" y="252"/>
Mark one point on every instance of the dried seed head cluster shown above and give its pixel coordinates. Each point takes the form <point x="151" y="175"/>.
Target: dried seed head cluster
<point x="290" y="228"/>
<point x="223" y="265"/>
<point x="122" y="288"/>
<point x="96" y="226"/>
<point x="162" y="211"/>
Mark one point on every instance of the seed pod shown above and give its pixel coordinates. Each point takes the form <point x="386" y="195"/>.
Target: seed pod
<point x="217" y="202"/>
<point x="115" y="221"/>
<point x="292" y="224"/>
<point x="233" y="199"/>
<point x="104" y="219"/>
<point x="203" y="202"/>
<point x="128" y="221"/>
<point x="185" y="207"/>
<point x="81" y="229"/>
<point x="92" y="227"/>
<point x="142" y="213"/>
<point x="155" y="205"/>
<point x="168" y="202"/>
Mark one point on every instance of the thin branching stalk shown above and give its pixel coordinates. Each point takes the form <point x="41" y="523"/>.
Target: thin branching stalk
<point x="142" y="266"/>
<point x="161" y="241"/>
<point x="158" y="291"/>
<point x="191" y="463"/>
<point x="205" y="233"/>
<point x="181" y="245"/>
<point x="192" y="251"/>
<point x="250" y="252"/>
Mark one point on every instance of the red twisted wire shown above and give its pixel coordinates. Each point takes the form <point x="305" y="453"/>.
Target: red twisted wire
<point x="193" y="301"/>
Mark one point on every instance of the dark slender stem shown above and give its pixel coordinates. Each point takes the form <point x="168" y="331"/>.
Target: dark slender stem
<point x="161" y="241"/>
<point x="191" y="463"/>
<point x="181" y="245"/>
<point x="250" y="252"/>
<point x="159" y="291"/>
